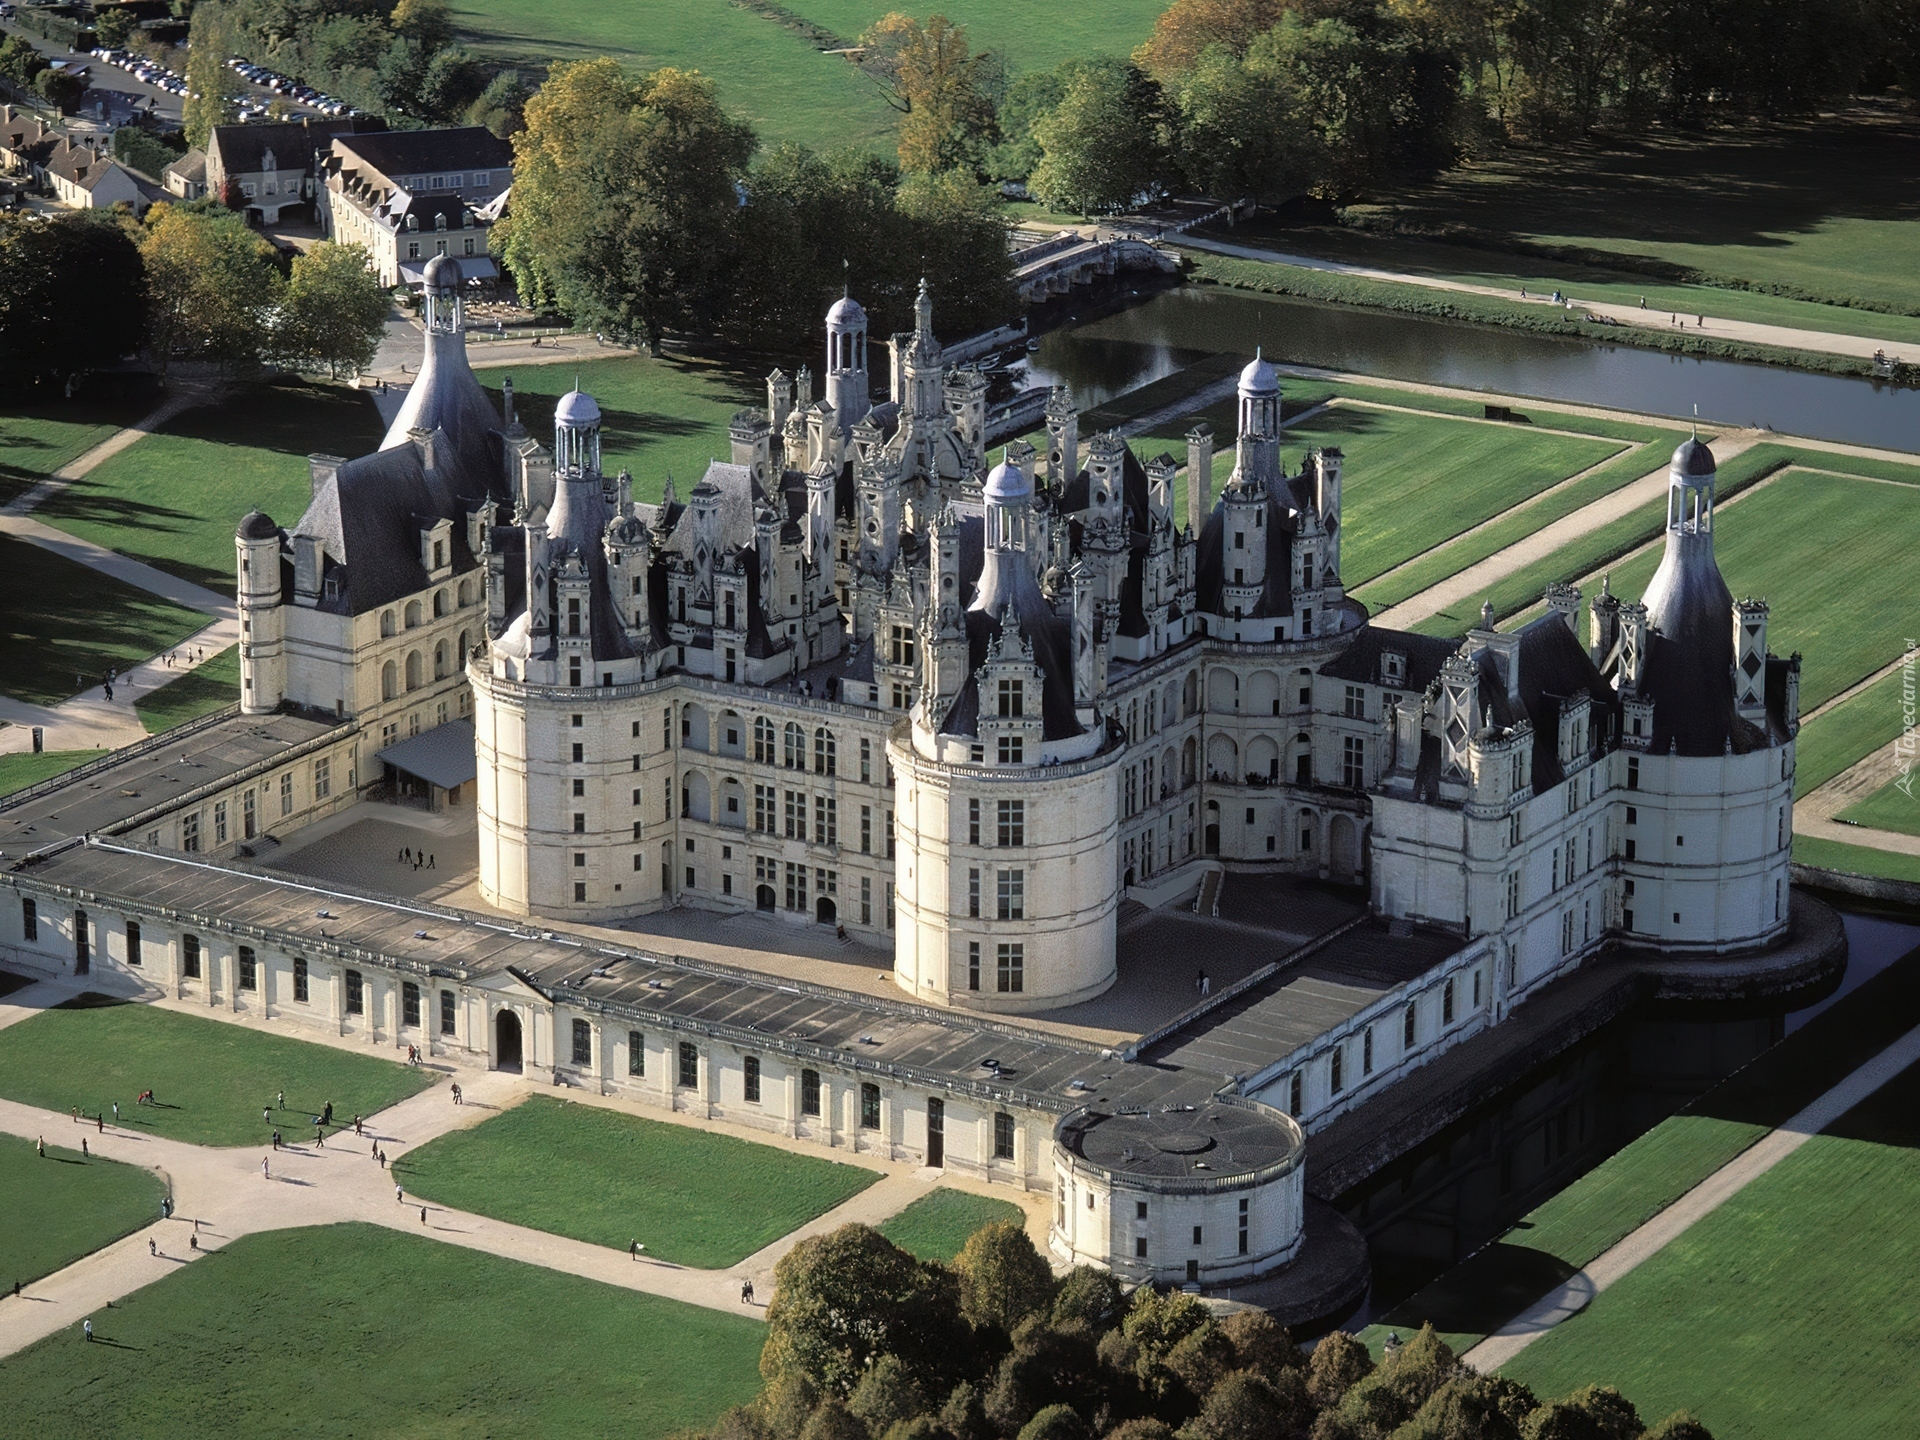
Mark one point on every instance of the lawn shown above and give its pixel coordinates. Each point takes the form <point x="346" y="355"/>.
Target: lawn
<point x="1890" y="808"/>
<point x="211" y="686"/>
<point x="62" y="625"/>
<point x="36" y="440"/>
<point x="24" y="768"/>
<point x="354" y="1330"/>
<point x="658" y="416"/>
<point x="210" y="1079"/>
<point x="1008" y="27"/>
<point x="938" y="1226"/>
<point x="1785" y="1313"/>
<point x="1851" y="730"/>
<point x="768" y="74"/>
<point x="690" y="1196"/>
<point x="64" y="1205"/>
<point x="174" y="498"/>
<point x="1856" y="859"/>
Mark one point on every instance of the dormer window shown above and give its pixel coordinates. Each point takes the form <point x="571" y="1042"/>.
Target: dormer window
<point x="413" y="222"/>
<point x="1012" y="699"/>
<point x="440" y="221"/>
<point x="1393" y="667"/>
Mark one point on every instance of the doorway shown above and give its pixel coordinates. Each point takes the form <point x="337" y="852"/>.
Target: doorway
<point x="506" y="1049"/>
<point x="825" y="912"/>
<point x="936" y="1133"/>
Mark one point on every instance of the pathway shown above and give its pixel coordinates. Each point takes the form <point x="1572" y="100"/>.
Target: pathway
<point x="1815" y="814"/>
<point x="1576" y="1293"/>
<point x="1784" y="336"/>
<point x="187" y="394"/>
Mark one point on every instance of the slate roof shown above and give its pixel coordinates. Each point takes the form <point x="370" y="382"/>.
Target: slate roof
<point x="296" y="144"/>
<point x="1360" y="663"/>
<point x="398" y="154"/>
<point x="1554" y="666"/>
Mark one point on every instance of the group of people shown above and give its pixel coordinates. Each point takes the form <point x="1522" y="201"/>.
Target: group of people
<point x="416" y="858"/>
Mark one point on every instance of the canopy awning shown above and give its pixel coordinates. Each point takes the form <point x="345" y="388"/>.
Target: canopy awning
<point x="473" y="267"/>
<point x="443" y="756"/>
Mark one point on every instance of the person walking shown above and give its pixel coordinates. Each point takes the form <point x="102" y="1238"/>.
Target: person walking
<point x="87" y="1327"/>
<point x="430" y="862"/>
<point x="423" y="1214"/>
<point x="40" y="1145"/>
<point x="101" y="1122"/>
<point x="84" y="1152"/>
<point x="266" y="1114"/>
<point x="633" y="1249"/>
<point x="116" y="1112"/>
<point x="399" y="1198"/>
<point x="456" y="1093"/>
<point x="276" y="1139"/>
<point x="153" y="1247"/>
<point x="193" y="1241"/>
<point x="265" y="1174"/>
<point x="280" y="1100"/>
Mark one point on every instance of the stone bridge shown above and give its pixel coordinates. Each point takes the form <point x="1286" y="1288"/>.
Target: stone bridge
<point x="1057" y="265"/>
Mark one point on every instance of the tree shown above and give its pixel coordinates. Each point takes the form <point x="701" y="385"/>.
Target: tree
<point x="138" y="149"/>
<point x="1090" y="1296"/>
<point x="60" y="89"/>
<point x="739" y="1422"/>
<point x="1681" y="1425"/>
<point x="1101" y="147"/>
<point x="963" y="1416"/>
<point x="1239" y="131"/>
<point x="943" y="90"/>
<point x="453" y="80"/>
<point x="1468" y="1407"/>
<point x="112" y="25"/>
<point x="213" y="90"/>
<point x="1243" y="1406"/>
<point x="886" y="1395"/>
<point x="75" y="298"/>
<point x="1339" y="1362"/>
<point x="334" y="312"/>
<point x="20" y="62"/>
<point x="1260" y="1343"/>
<point x="1595" y="1412"/>
<point x="1188" y="28"/>
<point x="212" y="285"/>
<point x="832" y="1422"/>
<point x="429" y="22"/>
<point x="500" y="105"/>
<point x="624" y="195"/>
<point x="1141" y="1429"/>
<point x="1056" y="1422"/>
<point x="785" y="1404"/>
<point x="1002" y="1277"/>
<point x="843" y="1300"/>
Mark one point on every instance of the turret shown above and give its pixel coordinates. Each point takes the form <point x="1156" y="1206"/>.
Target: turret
<point x="1750" y="661"/>
<point x="1257" y="463"/>
<point x="263" y="658"/>
<point x="1063" y="438"/>
<point x="751" y="435"/>
<point x="1326" y="466"/>
<point x="847" y="389"/>
<point x="1199" y="477"/>
<point x="779" y="400"/>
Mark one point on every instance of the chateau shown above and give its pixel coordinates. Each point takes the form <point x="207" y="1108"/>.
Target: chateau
<point x="1029" y="721"/>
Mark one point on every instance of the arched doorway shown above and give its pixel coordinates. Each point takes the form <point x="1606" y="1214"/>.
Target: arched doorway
<point x="764" y="899"/>
<point x="1213" y="828"/>
<point x="1343" y="849"/>
<point x="824" y="911"/>
<point x="506" y="1049"/>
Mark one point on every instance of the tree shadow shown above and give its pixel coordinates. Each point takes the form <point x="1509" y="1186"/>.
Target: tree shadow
<point x="1483" y="1292"/>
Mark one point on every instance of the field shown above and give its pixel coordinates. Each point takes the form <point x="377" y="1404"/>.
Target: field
<point x="938" y="1226"/>
<point x="63" y="1206"/>
<point x="1008" y="27"/>
<point x="353" y="1330"/>
<point x="1822" y="208"/>
<point x="690" y="1196"/>
<point x="24" y="768"/>
<point x="1856" y="727"/>
<point x="658" y="416"/>
<point x="36" y="440"/>
<point x="62" y="625"/>
<point x="1784" y="1314"/>
<point x="174" y="498"/>
<point x="211" y="686"/>
<point x="1856" y="859"/>
<point x="769" y="75"/>
<point x="210" y="1079"/>
<point x="1889" y="808"/>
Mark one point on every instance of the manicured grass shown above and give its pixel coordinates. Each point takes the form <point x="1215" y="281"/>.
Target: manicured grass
<point x="1785" y="1313"/>
<point x="1889" y="808"/>
<point x="690" y="1196"/>
<point x="212" y="686"/>
<point x="768" y="74"/>
<point x="658" y="416"/>
<point x="354" y="1330"/>
<point x="210" y="1080"/>
<point x="174" y="498"/>
<point x="1855" y="859"/>
<point x="1853" y="729"/>
<point x="62" y="625"/>
<point x="63" y="1205"/>
<point x="37" y="439"/>
<point x="1008" y="27"/>
<point x="938" y="1226"/>
<point x="18" y="771"/>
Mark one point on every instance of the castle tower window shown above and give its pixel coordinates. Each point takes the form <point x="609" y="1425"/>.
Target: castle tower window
<point x="300" y="988"/>
<point x="869" y="1106"/>
<point x="1002" y="1136"/>
<point x="447" y="1013"/>
<point x="810" y="1092"/>
<point x="1012" y="823"/>
<point x="824" y="752"/>
<point x="973" y="963"/>
<point x="973" y="894"/>
<point x="1012" y="750"/>
<point x="795" y="756"/>
<point x="1012" y="699"/>
<point x="1012" y="894"/>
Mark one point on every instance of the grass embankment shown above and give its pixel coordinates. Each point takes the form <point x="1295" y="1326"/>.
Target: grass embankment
<point x="1786" y="1313"/>
<point x="212" y="686"/>
<point x="1851" y="730"/>
<point x="62" y="625"/>
<point x="173" y="498"/>
<point x="1855" y="859"/>
<point x="37" y="439"/>
<point x="938" y="1226"/>
<point x="24" y="768"/>
<point x="64" y="1205"/>
<point x="769" y="73"/>
<point x="658" y="416"/>
<point x="353" y="1330"/>
<point x="1895" y="806"/>
<point x="210" y="1079"/>
<point x="1569" y="1231"/>
<point x="1277" y="278"/>
<point x="690" y="1196"/>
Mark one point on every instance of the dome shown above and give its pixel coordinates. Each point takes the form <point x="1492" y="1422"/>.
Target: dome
<point x="442" y="273"/>
<point x="846" y="313"/>
<point x="576" y="407"/>
<point x="1693" y="458"/>
<point x="1259" y="378"/>
<point x="1007" y="482"/>
<point x="258" y="527"/>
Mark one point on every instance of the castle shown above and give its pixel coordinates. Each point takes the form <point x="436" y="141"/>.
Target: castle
<point x="868" y="676"/>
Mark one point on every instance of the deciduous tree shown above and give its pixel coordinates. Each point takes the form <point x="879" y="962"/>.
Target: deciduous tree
<point x="1002" y="1277"/>
<point x="212" y="284"/>
<point x="944" y="91"/>
<point x="1187" y="28"/>
<point x="334" y="312"/>
<point x="75" y="296"/>
<point x="213" y="96"/>
<point x="1103" y="145"/>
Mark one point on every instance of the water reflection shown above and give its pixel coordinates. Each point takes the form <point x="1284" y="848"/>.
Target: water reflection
<point x="1110" y="354"/>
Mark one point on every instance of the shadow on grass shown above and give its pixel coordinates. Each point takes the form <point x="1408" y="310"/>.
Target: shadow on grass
<point x="1483" y="1292"/>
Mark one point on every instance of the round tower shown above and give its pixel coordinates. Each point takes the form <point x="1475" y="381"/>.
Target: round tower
<point x="847" y="389"/>
<point x="263" y="621"/>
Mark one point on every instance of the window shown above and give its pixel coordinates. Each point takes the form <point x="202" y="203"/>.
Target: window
<point x="249" y="969"/>
<point x="1633" y="772"/>
<point x="579" y="789"/>
<point x="286" y="794"/>
<point x="190" y="956"/>
<point x="322" y="778"/>
<point x="763" y="740"/>
<point x="796" y="815"/>
<point x="247" y="821"/>
<point x="900" y="648"/>
<point x="1002" y="1135"/>
<point x="826" y="819"/>
<point x="766" y="808"/>
<point x="869" y="1106"/>
<point x="866" y="761"/>
<point x="1010" y="976"/>
<point x="636" y="1053"/>
<point x="582" y="1043"/>
<point x="809" y="1092"/>
<point x="1012" y="896"/>
<point x="1446" y="1003"/>
<point x="219" y="822"/>
<point x="866" y="829"/>
<point x="447" y="1013"/>
<point x="1139" y="1209"/>
<point x="794" y="744"/>
<point x="1197" y="1231"/>
<point x="1140" y="1247"/>
<point x="579" y="892"/>
<point x="824" y="752"/>
<point x="1366" y="1051"/>
<point x="133" y="942"/>
<point x="973" y="965"/>
<point x="1353" y="762"/>
<point x="1356" y="703"/>
<point x="356" y="994"/>
<point x="689" y="1066"/>
<point x="1012" y="699"/>
<point x="1245" y="1220"/>
<point x="30" y="920"/>
<point x="973" y="894"/>
<point x="1336" y="1081"/>
<point x="1513" y="894"/>
<point x="1012" y="750"/>
<point x="1407" y="1027"/>
<point x="1294" y="1095"/>
<point x="973" y="822"/>
<point x="190" y="832"/>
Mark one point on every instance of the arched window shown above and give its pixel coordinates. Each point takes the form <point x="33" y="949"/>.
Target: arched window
<point x="466" y="649"/>
<point x="386" y="623"/>
<point x="823" y="751"/>
<point x="763" y="742"/>
<point x="389" y="681"/>
<point x="439" y="659"/>
<point x="413" y="669"/>
<point x="796" y="747"/>
<point x="466" y="593"/>
<point x="439" y="603"/>
<point x="413" y="614"/>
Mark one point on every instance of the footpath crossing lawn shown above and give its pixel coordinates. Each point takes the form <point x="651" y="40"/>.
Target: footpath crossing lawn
<point x="209" y="1079"/>
<point x="1890" y="808"/>
<point x="938" y="1226"/>
<point x="62" y="1205"/>
<point x="690" y="1196"/>
<point x="211" y="686"/>
<point x="1854" y="728"/>
<point x="355" y="1330"/>
<point x="37" y="439"/>
<point x="1786" y="1314"/>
